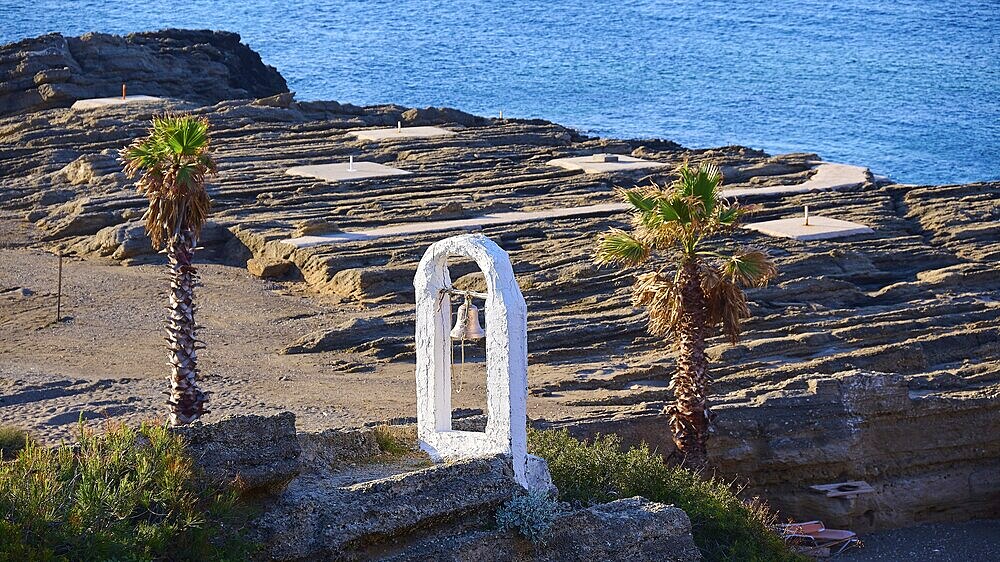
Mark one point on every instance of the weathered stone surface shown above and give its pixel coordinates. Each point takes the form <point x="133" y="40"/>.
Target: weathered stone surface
<point x="268" y="267"/>
<point x="439" y="115"/>
<point x="929" y="456"/>
<point x="349" y="334"/>
<point x="255" y="452"/>
<point x="370" y="283"/>
<point x="334" y="448"/>
<point x="198" y="66"/>
<point x="626" y="530"/>
<point x="323" y="517"/>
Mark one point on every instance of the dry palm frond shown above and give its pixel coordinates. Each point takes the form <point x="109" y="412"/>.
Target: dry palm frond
<point x="660" y="294"/>
<point x="725" y="302"/>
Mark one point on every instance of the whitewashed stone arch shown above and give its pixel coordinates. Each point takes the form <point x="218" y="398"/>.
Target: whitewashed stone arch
<point x="506" y="360"/>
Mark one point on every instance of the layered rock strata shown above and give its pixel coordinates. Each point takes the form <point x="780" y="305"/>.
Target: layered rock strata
<point x="916" y="301"/>
<point x="199" y="66"/>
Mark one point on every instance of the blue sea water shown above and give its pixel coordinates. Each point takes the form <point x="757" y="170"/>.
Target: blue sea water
<point x="910" y="88"/>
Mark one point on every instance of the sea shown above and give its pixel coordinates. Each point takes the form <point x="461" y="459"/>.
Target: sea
<point x="910" y="88"/>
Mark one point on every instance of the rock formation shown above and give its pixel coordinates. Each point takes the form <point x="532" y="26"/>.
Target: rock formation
<point x="916" y="302"/>
<point x="258" y="453"/>
<point x="198" y="66"/>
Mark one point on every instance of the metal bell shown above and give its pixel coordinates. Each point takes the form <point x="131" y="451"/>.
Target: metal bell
<point x="467" y="325"/>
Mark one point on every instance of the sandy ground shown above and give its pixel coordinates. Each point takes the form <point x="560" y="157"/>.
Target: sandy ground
<point x="977" y="541"/>
<point x="106" y="358"/>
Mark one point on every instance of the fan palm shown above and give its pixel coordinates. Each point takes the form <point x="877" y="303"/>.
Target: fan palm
<point x="172" y="162"/>
<point x="697" y="289"/>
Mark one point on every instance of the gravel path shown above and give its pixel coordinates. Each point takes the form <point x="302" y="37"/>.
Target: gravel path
<point x="977" y="541"/>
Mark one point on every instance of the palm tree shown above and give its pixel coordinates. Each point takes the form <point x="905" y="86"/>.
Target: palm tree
<point x="172" y="162"/>
<point x="695" y="291"/>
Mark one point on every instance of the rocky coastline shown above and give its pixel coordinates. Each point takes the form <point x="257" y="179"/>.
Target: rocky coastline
<point x="874" y="357"/>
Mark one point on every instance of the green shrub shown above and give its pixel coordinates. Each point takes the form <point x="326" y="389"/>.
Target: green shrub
<point x="12" y="440"/>
<point x="724" y="527"/>
<point x="128" y="494"/>
<point x="531" y="513"/>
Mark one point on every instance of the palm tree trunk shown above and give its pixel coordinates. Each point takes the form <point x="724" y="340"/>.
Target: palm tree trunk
<point x="187" y="400"/>
<point x="689" y="413"/>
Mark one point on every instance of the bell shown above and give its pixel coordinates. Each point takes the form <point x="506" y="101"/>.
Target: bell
<point x="467" y="325"/>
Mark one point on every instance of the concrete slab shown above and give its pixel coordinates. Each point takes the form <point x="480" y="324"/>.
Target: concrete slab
<point x="819" y="228"/>
<point x="828" y="176"/>
<point x="342" y="171"/>
<point x="400" y="133"/>
<point x="604" y="163"/>
<point x="92" y="103"/>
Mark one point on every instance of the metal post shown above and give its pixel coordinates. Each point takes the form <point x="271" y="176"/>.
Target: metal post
<point x="59" y="292"/>
<point x="806" y="223"/>
<point x="123" y="90"/>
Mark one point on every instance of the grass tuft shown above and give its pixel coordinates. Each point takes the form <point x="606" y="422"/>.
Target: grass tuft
<point x="12" y="440"/>
<point x="396" y="440"/>
<point x="724" y="527"/>
<point x="126" y="494"/>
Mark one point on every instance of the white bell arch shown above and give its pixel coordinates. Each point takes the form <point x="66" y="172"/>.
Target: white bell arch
<point x="506" y="360"/>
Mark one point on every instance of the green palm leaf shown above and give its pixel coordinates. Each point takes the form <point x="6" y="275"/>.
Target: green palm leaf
<point x="618" y="247"/>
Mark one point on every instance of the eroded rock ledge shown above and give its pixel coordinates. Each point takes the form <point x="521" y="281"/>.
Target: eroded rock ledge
<point x="199" y="66"/>
<point x="914" y="305"/>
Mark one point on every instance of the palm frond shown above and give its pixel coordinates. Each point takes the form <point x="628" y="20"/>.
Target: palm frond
<point x="661" y="296"/>
<point x="702" y="182"/>
<point x="749" y="268"/>
<point x="725" y="302"/>
<point x="638" y="198"/>
<point x="172" y="163"/>
<point x="618" y="247"/>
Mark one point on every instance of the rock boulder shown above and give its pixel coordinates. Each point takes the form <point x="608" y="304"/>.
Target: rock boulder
<point x="632" y="529"/>
<point x="258" y="453"/>
<point x="195" y="65"/>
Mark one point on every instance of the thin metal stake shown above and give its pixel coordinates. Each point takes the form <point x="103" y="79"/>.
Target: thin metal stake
<point x="59" y="292"/>
<point x="806" y="223"/>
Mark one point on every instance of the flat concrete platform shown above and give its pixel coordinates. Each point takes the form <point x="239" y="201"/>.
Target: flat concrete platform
<point x="402" y="133"/>
<point x="341" y="172"/>
<point x="596" y="164"/>
<point x="828" y="176"/>
<point x="819" y="228"/>
<point x="105" y="102"/>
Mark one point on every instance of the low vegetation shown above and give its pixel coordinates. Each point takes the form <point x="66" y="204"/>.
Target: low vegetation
<point x="531" y="513"/>
<point x="127" y="494"/>
<point x="396" y="440"/>
<point x="12" y="440"/>
<point x="725" y="528"/>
